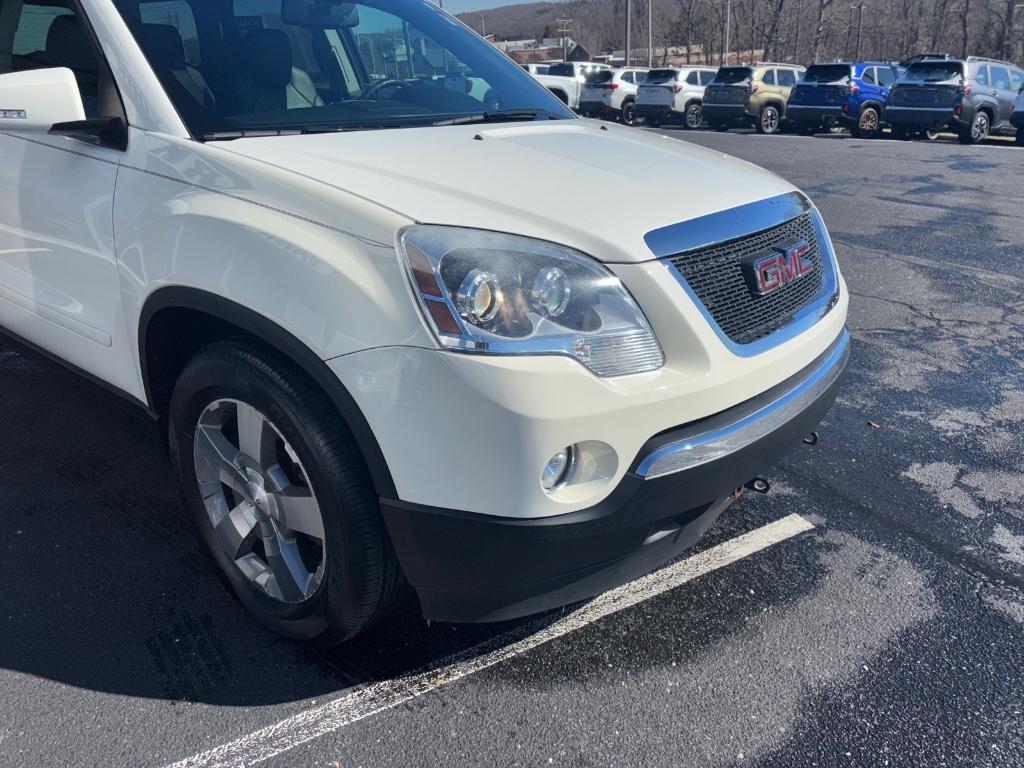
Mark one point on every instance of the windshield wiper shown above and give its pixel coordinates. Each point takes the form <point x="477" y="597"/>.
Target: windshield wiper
<point x="252" y="133"/>
<point x="501" y="116"/>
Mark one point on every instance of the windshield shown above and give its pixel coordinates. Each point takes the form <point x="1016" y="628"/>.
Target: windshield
<point x="729" y="75"/>
<point x="281" y="65"/>
<point x="831" y="73"/>
<point x="933" y="72"/>
<point x="660" y="76"/>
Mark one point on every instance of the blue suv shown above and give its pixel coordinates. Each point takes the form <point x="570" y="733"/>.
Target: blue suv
<point x="848" y="94"/>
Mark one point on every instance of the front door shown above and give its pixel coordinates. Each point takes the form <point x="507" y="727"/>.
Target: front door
<point x="58" y="280"/>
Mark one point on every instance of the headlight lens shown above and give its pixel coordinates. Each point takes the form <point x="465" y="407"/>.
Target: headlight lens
<point x="499" y="294"/>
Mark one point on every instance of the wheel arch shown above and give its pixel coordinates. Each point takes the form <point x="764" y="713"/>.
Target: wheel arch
<point x="176" y="321"/>
<point x="874" y="104"/>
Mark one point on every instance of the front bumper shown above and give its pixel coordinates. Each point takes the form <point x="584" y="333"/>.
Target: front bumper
<point x="726" y="113"/>
<point x="478" y="567"/>
<point x="819" y="115"/>
<point x="924" y="117"/>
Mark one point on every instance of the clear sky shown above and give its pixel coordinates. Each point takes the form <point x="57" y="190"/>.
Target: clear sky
<point x="458" y="6"/>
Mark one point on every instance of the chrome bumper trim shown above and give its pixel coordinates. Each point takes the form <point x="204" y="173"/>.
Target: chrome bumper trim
<point x="717" y="443"/>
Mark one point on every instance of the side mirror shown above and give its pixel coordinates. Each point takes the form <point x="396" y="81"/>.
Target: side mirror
<point x="34" y="100"/>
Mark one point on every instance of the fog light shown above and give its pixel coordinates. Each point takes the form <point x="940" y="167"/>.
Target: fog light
<point x="559" y="469"/>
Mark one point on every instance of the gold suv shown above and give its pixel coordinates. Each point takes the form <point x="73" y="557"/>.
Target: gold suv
<point x="750" y="94"/>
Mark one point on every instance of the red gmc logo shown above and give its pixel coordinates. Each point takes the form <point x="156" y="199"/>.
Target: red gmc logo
<point x="782" y="267"/>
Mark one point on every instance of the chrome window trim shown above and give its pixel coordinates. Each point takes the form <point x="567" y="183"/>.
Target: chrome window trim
<point x="713" y="445"/>
<point x="741" y="221"/>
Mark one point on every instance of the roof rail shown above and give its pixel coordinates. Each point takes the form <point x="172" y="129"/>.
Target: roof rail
<point x="988" y="59"/>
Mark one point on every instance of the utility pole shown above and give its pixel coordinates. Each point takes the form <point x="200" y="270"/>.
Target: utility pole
<point x="650" y="34"/>
<point x="860" y="26"/>
<point x="564" y="26"/>
<point x="483" y="26"/>
<point x="728" y="24"/>
<point x="629" y="27"/>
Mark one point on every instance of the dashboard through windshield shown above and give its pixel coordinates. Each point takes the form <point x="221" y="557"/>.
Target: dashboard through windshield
<point x="245" y="66"/>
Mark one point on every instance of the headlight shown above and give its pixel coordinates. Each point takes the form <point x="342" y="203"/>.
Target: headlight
<point x="498" y="294"/>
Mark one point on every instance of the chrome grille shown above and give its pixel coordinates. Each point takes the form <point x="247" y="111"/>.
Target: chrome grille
<point x="715" y="274"/>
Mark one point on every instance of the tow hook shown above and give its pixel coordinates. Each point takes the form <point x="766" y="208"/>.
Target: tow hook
<point x="811" y="439"/>
<point x="758" y="484"/>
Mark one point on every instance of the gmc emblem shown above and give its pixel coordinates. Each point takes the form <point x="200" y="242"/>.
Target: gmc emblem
<point x="780" y="267"/>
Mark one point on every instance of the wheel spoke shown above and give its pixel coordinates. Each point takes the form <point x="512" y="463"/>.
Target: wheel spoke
<point x="220" y="458"/>
<point x="297" y="510"/>
<point x="237" y="531"/>
<point x="290" y="574"/>
<point x="255" y="436"/>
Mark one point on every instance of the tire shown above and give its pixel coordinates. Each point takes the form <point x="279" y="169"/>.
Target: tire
<point x="978" y="130"/>
<point x="720" y="127"/>
<point x="694" y="116"/>
<point x="869" y="124"/>
<point x="628" y="113"/>
<point x="902" y="133"/>
<point x="769" y="121"/>
<point x="307" y="451"/>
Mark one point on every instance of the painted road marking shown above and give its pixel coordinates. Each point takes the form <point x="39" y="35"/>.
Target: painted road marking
<point x="381" y="696"/>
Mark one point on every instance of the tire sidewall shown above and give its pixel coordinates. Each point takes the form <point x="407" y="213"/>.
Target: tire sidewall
<point x="691" y="111"/>
<point x="869" y="133"/>
<point x="207" y="380"/>
<point x="768" y="109"/>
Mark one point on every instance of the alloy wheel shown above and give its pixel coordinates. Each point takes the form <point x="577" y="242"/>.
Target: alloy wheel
<point x="259" y="501"/>
<point x="868" y="126"/>
<point x="628" y="113"/>
<point x="979" y="128"/>
<point x="694" y="116"/>
<point x="769" y="120"/>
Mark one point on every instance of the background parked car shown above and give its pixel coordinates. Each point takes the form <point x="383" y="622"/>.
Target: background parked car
<point x="1017" y="116"/>
<point x="674" y="94"/>
<point x="972" y="97"/>
<point x="565" y="79"/>
<point x="750" y="94"/>
<point x="611" y="93"/>
<point x="847" y="94"/>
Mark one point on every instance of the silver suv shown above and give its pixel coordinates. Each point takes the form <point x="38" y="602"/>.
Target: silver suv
<point x="671" y="94"/>
<point x="972" y="97"/>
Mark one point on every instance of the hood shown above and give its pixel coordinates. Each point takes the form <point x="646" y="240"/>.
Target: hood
<point x="595" y="187"/>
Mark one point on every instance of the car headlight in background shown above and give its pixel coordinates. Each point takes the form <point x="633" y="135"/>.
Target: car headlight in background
<point x="498" y="294"/>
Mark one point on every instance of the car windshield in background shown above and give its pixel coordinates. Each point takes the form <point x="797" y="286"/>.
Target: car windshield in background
<point x="832" y="73"/>
<point x="933" y="72"/>
<point x="235" y="66"/>
<point x="728" y="75"/>
<point x="660" y="76"/>
<point x="598" y="78"/>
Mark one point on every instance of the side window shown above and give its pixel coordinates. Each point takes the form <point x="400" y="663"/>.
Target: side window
<point x="768" y="78"/>
<point x="706" y="76"/>
<point x="1016" y="79"/>
<point x="869" y="76"/>
<point x="982" y="77"/>
<point x="48" y="33"/>
<point x="629" y="77"/>
<point x="693" y="78"/>
<point x="177" y="14"/>
<point x="786" y="77"/>
<point x="886" y="76"/>
<point x="1000" y="78"/>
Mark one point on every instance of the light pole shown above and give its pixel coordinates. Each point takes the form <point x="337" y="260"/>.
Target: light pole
<point x="860" y="25"/>
<point x="650" y="36"/>
<point x="629" y="27"/>
<point x="728" y="24"/>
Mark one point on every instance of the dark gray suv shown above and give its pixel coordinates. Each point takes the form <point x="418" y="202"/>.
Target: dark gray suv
<point x="972" y="97"/>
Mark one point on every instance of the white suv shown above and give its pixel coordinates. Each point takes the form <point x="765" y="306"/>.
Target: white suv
<point x="611" y="93"/>
<point x="670" y="95"/>
<point x="377" y="307"/>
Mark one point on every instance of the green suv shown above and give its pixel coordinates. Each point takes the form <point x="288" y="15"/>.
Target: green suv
<point x="750" y="94"/>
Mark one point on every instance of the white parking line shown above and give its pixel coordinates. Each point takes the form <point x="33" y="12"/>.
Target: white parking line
<point x="381" y="696"/>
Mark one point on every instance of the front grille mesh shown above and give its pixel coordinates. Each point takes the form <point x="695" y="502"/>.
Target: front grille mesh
<point x="715" y="274"/>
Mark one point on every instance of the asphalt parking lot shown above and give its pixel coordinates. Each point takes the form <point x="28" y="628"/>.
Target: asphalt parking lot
<point x="868" y="611"/>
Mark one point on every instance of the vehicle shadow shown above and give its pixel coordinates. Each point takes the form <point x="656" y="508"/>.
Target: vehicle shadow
<point x="106" y="588"/>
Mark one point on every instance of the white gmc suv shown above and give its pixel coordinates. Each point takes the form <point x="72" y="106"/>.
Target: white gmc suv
<point x="358" y="266"/>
